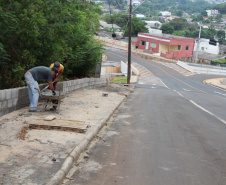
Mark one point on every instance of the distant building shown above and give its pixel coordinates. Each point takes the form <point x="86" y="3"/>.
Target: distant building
<point x="168" y="19"/>
<point x="153" y="24"/>
<point x="136" y="3"/>
<point x="205" y="46"/>
<point x="165" y="13"/>
<point x="140" y="16"/>
<point x="168" y="46"/>
<point x="109" y="27"/>
<point x="155" y="32"/>
<point x="189" y="20"/>
<point x="212" y="12"/>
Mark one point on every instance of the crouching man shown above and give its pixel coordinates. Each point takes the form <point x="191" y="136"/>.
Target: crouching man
<point x="40" y="73"/>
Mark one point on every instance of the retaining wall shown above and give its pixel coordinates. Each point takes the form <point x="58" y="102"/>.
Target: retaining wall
<point x="13" y="99"/>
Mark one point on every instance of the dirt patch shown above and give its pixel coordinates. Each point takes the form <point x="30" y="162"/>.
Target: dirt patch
<point x="22" y="133"/>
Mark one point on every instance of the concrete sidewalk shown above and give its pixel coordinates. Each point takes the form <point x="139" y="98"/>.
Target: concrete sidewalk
<point x="41" y="156"/>
<point x="216" y="82"/>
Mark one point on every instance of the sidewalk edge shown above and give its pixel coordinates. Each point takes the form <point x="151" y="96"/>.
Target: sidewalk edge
<point x="74" y="155"/>
<point x="210" y="84"/>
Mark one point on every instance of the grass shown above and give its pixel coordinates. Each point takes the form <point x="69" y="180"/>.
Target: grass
<point x="120" y="79"/>
<point x="221" y="61"/>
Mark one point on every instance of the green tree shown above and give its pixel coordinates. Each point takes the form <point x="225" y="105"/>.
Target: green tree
<point x="221" y="8"/>
<point x="179" y="24"/>
<point x="121" y="19"/>
<point x="178" y="33"/>
<point x="179" y="13"/>
<point x="137" y="26"/>
<point x="167" y="28"/>
<point x="204" y="13"/>
<point x="39" y="32"/>
<point x="199" y="17"/>
<point x="207" y="21"/>
<point x="221" y="36"/>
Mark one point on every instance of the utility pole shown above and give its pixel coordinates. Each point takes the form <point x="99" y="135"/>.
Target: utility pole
<point x="129" y="45"/>
<point x="198" y="42"/>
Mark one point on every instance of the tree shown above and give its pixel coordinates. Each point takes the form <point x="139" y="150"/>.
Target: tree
<point x="179" y="13"/>
<point x="204" y="13"/>
<point x="199" y="17"/>
<point x="178" y="33"/>
<point x="179" y="24"/>
<point x="121" y="19"/>
<point x="221" y="8"/>
<point x="167" y="28"/>
<point x="138" y="26"/>
<point x="39" y="32"/>
<point x="221" y="36"/>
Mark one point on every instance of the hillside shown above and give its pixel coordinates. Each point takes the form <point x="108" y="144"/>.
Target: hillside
<point x="152" y="7"/>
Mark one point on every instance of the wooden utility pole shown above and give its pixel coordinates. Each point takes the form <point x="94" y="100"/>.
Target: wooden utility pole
<point x="129" y="44"/>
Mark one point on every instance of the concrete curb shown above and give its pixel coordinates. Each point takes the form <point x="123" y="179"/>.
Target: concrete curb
<point x="74" y="155"/>
<point x="204" y="81"/>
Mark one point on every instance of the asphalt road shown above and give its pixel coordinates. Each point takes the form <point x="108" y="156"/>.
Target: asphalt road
<point x="170" y="131"/>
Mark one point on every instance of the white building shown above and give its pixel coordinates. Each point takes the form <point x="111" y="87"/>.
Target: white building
<point x="140" y="16"/>
<point x="155" y="32"/>
<point x="212" y="12"/>
<point x="165" y="13"/>
<point x="204" y="46"/>
<point x="136" y="3"/>
<point x="153" y="24"/>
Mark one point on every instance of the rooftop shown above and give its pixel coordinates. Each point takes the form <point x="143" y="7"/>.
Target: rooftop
<point x="166" y="36"/>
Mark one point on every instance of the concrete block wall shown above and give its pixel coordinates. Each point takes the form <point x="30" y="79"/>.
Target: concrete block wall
<point x="13" y="99"/>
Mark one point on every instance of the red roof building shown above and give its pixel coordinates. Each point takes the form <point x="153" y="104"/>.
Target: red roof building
<point x="169" y="46"/>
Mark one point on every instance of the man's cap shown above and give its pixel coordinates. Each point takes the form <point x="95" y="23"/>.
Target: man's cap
<point x="57" y="64"/>
<point x="55" y="70"/>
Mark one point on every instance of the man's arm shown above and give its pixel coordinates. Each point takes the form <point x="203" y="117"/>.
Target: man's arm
<point x="61" y="70"/>
<point x="58" y="76"/>
<point x="50" y="85"/>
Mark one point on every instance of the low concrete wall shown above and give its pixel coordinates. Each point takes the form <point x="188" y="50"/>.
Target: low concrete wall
<point x="13" y="99"/>
<point x="185" y="66"/>
<point x="224" y="81"/>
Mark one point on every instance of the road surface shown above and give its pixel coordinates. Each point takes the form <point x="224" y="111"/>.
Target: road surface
<point x="171" y="130"/>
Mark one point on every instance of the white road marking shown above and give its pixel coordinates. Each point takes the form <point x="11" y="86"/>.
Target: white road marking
<point x="220" y="93"/>
<point x="186" y="89"/>
<point x="180" y="94"/>
<point x="212" y="114"/>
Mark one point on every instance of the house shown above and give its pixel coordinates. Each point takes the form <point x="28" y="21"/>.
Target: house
<point x="168" y="19"/>
<point x="153" y="24"/>
<point x="168" y="46"/>
<point x="140" y="16"/>
<point x="205" y="45"/>
<point x="165" y="13"/>
<point x="212" y="12"/>
<point x="136" y="3"/>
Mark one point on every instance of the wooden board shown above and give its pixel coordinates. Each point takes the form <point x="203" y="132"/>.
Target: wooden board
<point x="59" y="124"/>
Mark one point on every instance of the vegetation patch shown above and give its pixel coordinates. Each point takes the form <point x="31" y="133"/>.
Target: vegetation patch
<point x="220" y="61"/>
<point x="120" y="79"/>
